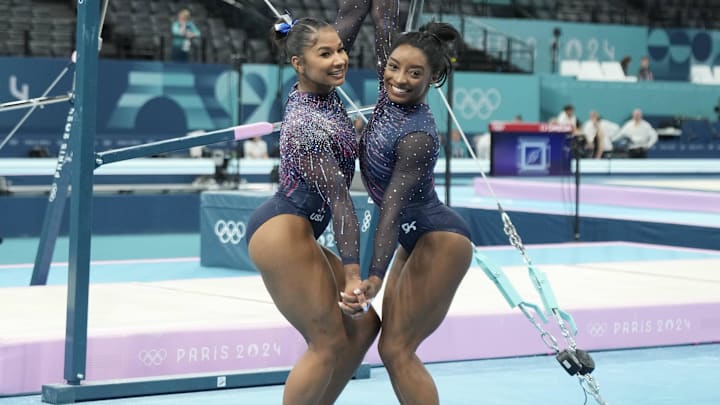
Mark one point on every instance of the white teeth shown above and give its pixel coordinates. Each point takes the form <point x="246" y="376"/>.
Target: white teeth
<point x="399" y="90"/>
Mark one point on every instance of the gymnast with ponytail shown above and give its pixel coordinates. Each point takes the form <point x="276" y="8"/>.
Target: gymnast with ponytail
<point x="318" y="152"/>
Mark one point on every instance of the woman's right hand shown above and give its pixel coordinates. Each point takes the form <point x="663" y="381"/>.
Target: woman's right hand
<point x="369" y="288"/>
<point x="349" y="302"/>
<point x="357" y="297"/>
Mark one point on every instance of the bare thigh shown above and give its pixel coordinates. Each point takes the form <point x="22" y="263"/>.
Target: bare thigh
<point x="366" y="326"/>
<point x="297" y="274"/>
<point x="421" y="286"/>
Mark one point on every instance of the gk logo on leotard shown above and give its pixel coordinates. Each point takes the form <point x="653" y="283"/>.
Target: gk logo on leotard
<point x="477" y="103"/>
<point x="230" y="231"/>
<point x="152" y="357"/>
<point x="408" y="226"/>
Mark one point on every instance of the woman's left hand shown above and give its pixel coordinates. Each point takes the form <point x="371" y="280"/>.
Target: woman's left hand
<point x="353" y="302"/>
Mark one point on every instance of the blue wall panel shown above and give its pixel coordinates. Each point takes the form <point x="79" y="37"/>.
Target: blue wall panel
<point x="138" y="102"/>
<point x="112" y="214"/>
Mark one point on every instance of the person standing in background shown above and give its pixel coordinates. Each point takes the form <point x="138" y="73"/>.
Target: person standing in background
<point x="625" y="64"/>
<point x="644" y="73"/>
<point x="183" y="32"/>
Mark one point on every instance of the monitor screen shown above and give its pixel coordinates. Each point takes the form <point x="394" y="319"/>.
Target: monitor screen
<point x="529" y="149"/>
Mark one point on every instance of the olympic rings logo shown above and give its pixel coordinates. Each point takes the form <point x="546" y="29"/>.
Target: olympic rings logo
<point x="477" y="103"/>
<point x="597" y="329"/>
<point x="366" y="221"/>
<point x="152" y="357"/>
<point x="230" y="231"/>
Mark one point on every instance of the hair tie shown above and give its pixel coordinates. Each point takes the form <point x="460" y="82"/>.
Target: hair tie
<point x="285" y="26"/>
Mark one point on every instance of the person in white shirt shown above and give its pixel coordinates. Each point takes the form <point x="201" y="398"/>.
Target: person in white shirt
<point x="567" y="116"/>
<point x="482" y="146"/>
<point x="640" y="134"/>
<point x="255" y="148"/>
<point x="600" y="134"/>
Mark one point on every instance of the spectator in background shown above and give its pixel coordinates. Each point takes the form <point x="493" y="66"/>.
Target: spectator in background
<point x="457" y="145"/>
<point x="255" y="148"/>
<point x="645" y="74"/>
<point x="640" y="135"/>
<point x="625" y="64"/>
<point x="482" y="146"/>
<point x="567" y="116"/>
<point x="600" y="134"/>
<point x="183" y="32"/>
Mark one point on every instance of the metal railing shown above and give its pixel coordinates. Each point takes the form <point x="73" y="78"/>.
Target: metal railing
<point x="502" y="52"/>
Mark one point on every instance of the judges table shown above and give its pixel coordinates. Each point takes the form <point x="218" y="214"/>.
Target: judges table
<point x="223" y="225"/>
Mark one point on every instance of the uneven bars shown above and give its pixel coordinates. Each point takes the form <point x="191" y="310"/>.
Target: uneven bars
<point x="33" y="102"/>
<point x="168" y="145"/>
<point x="235" y="133"/>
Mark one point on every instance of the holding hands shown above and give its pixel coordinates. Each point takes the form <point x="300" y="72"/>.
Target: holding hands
<point x="358" y="296"/>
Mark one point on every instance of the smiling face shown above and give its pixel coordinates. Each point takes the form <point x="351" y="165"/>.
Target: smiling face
<point x="407" y="75"/>
<point x="323" y="65"/>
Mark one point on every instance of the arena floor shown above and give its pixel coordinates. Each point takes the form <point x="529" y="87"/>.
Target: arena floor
<point x="641" y="309"/>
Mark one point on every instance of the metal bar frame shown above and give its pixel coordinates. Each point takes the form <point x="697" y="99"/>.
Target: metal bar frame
<point x="56" y="206"/>
<point x="82" y="147"/>
<point x="184" y="142"/>
<point x="63" y="394"/>
<point x="164" y="146"/>
<point x="33" y="102"/>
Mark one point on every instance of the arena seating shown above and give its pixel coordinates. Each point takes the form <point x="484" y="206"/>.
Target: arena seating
<point x="608" y="71"/>
<point x="237" y="32"/>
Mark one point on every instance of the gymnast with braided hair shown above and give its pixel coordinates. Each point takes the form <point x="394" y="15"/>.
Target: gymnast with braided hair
<point x="398" y="152"/>
<point x="318" y="151"/>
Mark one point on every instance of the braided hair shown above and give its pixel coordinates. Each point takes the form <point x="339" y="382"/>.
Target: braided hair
<point x="293" y="38"/>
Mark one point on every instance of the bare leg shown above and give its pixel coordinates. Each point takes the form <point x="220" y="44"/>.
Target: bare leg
<point x="300" y="280"/>
<point x="360" y="334"/>
<point x="418" y="294"/>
